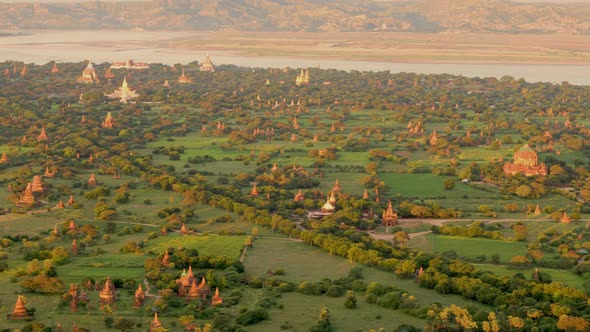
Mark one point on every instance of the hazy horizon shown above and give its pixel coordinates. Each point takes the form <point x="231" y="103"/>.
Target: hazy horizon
<point x="64" y="1"/>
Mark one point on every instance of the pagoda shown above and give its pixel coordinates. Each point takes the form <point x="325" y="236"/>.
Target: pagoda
<point x="92" y="181"/>
<point x="124" y="93"/>
<point x="564" y="218"/>
<point x="19" y="311"/>
<point x="71" y="201"/>
<point x="37" y="185"/>
<point x="366" y="194"/>
<point x="24" y="71"/>
<point x="166" y="84"/>
<point x="336" y="188"/>
<point x="48" y="174"/>
<point x="27" y="199"/>
<point x="254" y="191"/>
<point x="139" y="297"/>
<point x="433" y="139"/>
<point x="525" y="162"/>
<point x="537" y="210"/>
<point x="328" y="207"/>
<point x="4" y="158"/>
<point x="108" y="121"/>
<point x="216" y="300"/>
<point x="293" y="138"/>
<point x="389" y="216"/>
<point x="302" y="78"/>
<point x="183" y="229"/>
<point x="185" y="281"/>
<point x="193" y="293"/>
<point x="60" y="205"/>
<point x="295" y="124"/>
<point x="184" y="79"/>
<point x="107" y="294"/>
<point x="88" y="75"/>
<point x="207" y="65"/>
<point x="155" y="324"/>
<point x="299" y="197"/>
<point x="54" y="69"/>
<point x="43" y="135"/>
<point x="166" y="259"/>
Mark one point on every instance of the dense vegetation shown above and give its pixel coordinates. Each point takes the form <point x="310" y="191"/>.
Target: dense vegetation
<point x="181" y="163"/>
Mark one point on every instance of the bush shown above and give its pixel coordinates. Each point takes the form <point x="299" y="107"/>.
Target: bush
<point x="252" y="316"/>
<point x="390" y="300"/>
<point x="350" y="302"/>
<point x="335" y="291"/>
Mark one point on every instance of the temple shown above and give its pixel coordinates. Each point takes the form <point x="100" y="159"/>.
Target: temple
<point x="303" y="77"/>
<point x="54" y="69"/>
<point x="525" y="162"/>
<point x="336" y="188"/>
<point x="129" y="64"/>
<point x="207" y="65"/>
<point x="155" y="324"/>
<point x="92" y="181"/>
<point x="27" y="199"/>
<point x="389" y="216"/>
<point x="37" y="185"/>
<point x="108" y="121"/>
<point x="107" y="294"/>
<point x="4" y="158"/>
<point x="19" y="311"/>
<point x="139" y="297"/>
<point x="254" y="191"/>
<point x="88" y="75"/>
<point x="216" y="300"/>
<point x="124" y="93"/>
<point x="299" y="197"/>
<point x="183" y="78"/>
<point x="564" y="218"/>
<point x="43" y="135"/>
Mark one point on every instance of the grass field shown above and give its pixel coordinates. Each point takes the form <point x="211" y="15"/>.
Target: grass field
<point x="566" y="277"/>
<point x="209" y="245"/>
<point x="468" y="247"/>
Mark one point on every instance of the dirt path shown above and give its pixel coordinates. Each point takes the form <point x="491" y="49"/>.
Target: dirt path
<point x="147" y="289"/>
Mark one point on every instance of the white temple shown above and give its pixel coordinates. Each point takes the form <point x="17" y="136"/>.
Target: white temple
<point x="124" y="93"/>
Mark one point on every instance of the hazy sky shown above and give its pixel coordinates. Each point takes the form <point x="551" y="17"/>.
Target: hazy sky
<point x="46" y="1"/>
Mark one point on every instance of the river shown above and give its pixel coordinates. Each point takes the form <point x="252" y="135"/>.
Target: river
<point x="148" y="46"/>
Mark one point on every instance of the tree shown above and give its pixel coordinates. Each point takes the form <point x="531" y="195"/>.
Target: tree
<point x="124" y="324"/>
<point x="572" y="324"/>
<point x="523" y="191"/>
<point x="448" y="184"/>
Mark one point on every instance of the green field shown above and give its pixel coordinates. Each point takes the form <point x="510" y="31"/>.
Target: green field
<point x="468" y="247"/>
<point x="208" y="245"/>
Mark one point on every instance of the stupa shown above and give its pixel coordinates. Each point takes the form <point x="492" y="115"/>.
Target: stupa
<point x="27" y="199"/>
<point x="166" y="259"/>
<point x="299" y="197"/>
<point x="107" y="293"/>
<point x="207" y="65"/>
<point x="564" y="218"/>
<point x="124" y="93"/>
<point x="303" y="77"/>
<point x="433" y="139"/>
<point x="254" y="191"/>
<point x="108" y="121"/>
<point x="336" y="188"/>
<point x="24" y="71"/>
<point x="54" y="69"/>
<point x="19" y="311"/>
<point x="139" y="297"/>
<point x="88" y="75"/>
<point x="216" y="300"/>
<point x="525" y="162"/>
<point x="389" y="216"/>
<point x="328" y="207"/>
<point x="92" y="181"/>
<point x="43" y="135"/>
<point x="155" y="324"/>
<point x="71" y="201"/>
<point x="183" y="229"/>
<point x="4" y="158"/>
<point x="37" y="185"/>
<point x="183" y="78"/>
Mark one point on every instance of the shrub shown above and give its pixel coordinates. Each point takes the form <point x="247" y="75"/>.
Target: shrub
<point x="335" y="291"/>
<point x="252" y="316"/>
